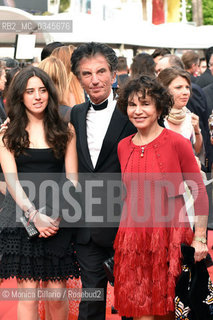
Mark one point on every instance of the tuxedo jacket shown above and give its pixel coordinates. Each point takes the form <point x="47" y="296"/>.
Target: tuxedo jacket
<point x="205" y="78"/>
<point x="198" y="104"/>
<point x="107" y="168"/>
<point x="208" y="91"/>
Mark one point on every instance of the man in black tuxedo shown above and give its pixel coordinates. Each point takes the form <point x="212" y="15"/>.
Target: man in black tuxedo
<point x="207" y="77"/>
<point x="99" y="126"/>
<point x="208" y="91"/>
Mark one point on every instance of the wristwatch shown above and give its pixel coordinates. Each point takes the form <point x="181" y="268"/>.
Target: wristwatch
<point x="201" y="239"/>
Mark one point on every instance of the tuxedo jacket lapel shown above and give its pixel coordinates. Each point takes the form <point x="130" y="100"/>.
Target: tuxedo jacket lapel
<point x="83" y="136"/>
<point x="117" y="124"/>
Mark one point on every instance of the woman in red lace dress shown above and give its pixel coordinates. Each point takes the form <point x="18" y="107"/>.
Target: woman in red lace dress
<point x="155" y="162"/>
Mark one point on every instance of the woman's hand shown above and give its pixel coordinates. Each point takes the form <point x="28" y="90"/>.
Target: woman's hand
<point x="46" y="226"/>
<point x="201" y="250"/>
<point x="195" y="123"/>
<point x="4" y="125"/>
<point x="199" y="138"/>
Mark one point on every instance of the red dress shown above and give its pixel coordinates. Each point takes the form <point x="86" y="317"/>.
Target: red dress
<point x="147" y="246"/>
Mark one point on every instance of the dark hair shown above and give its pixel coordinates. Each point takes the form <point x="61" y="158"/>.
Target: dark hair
<point x="160" y="52"/>
<point x="91" y="49"/>
<point x="189" y="58"/>
<point x="208" y="53"/>
<point x="9" y="76"/>
<point x="10" y="63"/>
<point x="148" y="86"/>
<point x="16" y="138"/>
<point x="202" y="59"/>
<point x="48" y="49"/>
<point x="143" y="64"/>
<point x="167" y="75"/>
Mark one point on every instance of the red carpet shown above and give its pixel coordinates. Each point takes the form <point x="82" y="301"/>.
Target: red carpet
<point x="8" y="308"/>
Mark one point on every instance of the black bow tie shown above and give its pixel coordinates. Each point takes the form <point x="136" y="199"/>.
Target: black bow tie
<point x="100" y="106"/>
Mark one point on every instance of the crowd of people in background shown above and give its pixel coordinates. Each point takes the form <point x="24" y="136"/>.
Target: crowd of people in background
<point x="84" y="112"/>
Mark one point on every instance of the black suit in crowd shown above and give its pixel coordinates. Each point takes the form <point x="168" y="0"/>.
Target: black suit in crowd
<point x="95" y="244"/>
<point x="198" y="105"/>
<point x="208" y="91"/>
<point x="205" y="78"/>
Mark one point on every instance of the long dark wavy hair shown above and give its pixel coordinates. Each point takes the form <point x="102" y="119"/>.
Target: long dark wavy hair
<point x="16" y="138"/>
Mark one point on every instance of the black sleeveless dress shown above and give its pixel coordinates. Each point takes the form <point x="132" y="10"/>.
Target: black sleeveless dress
<point x="44" y="259"/>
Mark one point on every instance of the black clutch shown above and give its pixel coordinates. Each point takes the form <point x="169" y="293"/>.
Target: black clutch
<point x="108" y="267"/>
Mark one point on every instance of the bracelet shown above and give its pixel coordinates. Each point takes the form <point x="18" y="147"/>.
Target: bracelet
<point x="28" y="212"/>
<point x="200" y="239"/>
<point x="33" y="216"/>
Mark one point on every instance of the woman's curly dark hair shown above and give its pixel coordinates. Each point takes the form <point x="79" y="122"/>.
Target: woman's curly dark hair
<point x="16" y="138"/>
<point x="148" y="86"/>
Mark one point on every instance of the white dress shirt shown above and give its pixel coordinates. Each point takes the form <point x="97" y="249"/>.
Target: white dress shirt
<point x="97" y="123"/>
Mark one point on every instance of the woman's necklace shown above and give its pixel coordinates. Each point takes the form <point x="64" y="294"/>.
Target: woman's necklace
<point x="142" y="151"/>
<point x="150" y="140"/>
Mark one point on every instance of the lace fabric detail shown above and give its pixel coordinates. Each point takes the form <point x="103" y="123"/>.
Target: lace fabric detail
<point x="53" y="258"/>
<point x="8" y="214"/>
<point x="25" y="268"/>
<point x="31" y="259"/>
<point x="28" y="259"/>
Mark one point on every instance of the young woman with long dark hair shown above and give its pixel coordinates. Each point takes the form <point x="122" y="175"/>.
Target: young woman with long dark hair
<point x="34" y="149"/>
